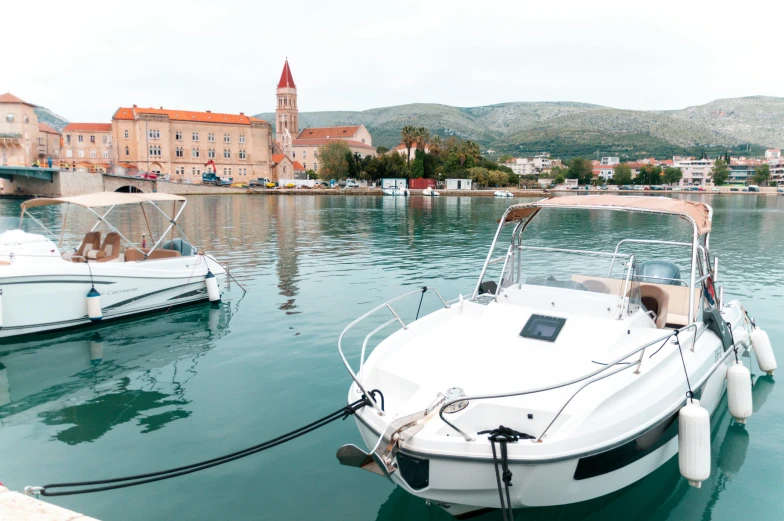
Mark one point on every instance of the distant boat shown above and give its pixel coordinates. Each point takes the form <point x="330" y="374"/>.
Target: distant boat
<point x="429" y="192"/>
<point x="504" y="193"/>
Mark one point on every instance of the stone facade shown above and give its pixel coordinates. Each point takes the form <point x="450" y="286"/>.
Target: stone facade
<point x="181" y="143"/>
<point x="88" y="145"/>
<point x="19" y="145"/>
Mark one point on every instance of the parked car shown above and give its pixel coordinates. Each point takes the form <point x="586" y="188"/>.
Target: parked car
<point x="352" y="183"/>
<point x="780" y="191"/>
<point x="626" y="187"/>
<point x="754" y="188"/>
<point x="603" y="187"/>
<point x="613" y="188"/>
<point x="715" y="189"/>
<point x="734" y="190"/>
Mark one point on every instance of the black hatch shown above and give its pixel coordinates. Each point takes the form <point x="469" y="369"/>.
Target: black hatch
<point x="542" y="327"/>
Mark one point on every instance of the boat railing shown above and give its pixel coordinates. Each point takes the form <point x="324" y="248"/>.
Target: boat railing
<point x="618" y="365"/>
<point x="357" y="377"/>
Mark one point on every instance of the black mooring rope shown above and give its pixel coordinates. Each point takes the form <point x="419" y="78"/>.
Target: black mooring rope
<point x="690" y="393"/>
<point x="503" y="435"/>
<point x="734" y="347"/>
<point x="140" y="479"/>
<point x="421" y="298"/>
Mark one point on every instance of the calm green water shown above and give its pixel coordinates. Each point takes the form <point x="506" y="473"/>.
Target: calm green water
<point x="167" y="390"/>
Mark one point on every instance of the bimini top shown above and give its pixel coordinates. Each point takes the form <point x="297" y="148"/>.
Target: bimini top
<point x="700" y="213"/>
<point x="99" y="199"/>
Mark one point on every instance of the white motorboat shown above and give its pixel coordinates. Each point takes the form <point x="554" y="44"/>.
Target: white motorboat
<point x="429" y="192"/>
<point x="43" y="288"/>
<point x="503" y="193"/>
<point x="572" y="385"/>
<point x="395" y="191"/>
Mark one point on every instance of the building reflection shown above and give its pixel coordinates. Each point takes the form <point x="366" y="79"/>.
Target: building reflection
<point x="129" y="370"/>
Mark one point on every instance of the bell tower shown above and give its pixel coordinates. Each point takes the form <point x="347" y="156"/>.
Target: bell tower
<point x="286" y="111"/>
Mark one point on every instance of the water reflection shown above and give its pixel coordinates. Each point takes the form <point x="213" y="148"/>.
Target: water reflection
<point x="129" y="370"/>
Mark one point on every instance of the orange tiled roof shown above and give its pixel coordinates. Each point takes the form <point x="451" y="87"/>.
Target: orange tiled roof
<point x="286" y="79"/>
<point x="319" y="142"/>
<point x="10" y="98"/>
<point x="277" y="158"/>
<point x="298" y="166"/>
<point x="43" y="127"/>
<point x="130" y="113"/>
<point x="88" y="127"/>
<point x="328" y="132"/>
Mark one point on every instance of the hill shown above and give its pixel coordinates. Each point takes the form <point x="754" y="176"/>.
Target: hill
<point x="568" y="129"/>
<point x="50" y="118"/>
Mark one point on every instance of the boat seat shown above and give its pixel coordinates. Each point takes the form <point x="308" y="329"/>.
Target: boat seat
<point x="134" y="255"/>
<point x="91" y="241"/>
<point x="109" y="251"/>
<point x="554" y="283"/>
<point x="655" y="299"/>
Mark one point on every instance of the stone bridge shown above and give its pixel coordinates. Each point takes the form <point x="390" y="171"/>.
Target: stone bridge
<point x="64" y="183"/>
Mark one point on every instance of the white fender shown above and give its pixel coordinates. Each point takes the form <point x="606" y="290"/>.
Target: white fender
<point x="1" y="308"/>
<point x="94" y="305"/>
<point x="739" y="392"/>
<point x="213" y="293"/>
<point x="763" y="351"/>
<point x="694" y="458"/>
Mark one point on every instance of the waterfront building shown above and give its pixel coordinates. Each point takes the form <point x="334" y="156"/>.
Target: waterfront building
<point x="19" y="133"/>
<point x="88" y="145"/>
<point x="696" y="172"/>
<point x="49" y="143"/>
<point x="772" y="153"/>
<point x="531" y="165"/>
<point x="302" y="146"/>
<point x="403" y="151"/>
<point x="458" y="184"/>
<point x="182" y="142"/>
<point x="283" y="168"/>
<point x="610" y="160"/>
<point x="740" y="173"/>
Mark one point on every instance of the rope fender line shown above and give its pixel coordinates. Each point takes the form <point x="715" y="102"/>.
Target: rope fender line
<point x="503" y="435"/>
<point x="150" y="477"/>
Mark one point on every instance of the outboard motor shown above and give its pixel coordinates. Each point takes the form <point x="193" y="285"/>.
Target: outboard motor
<point x="658" y="272"/>
<point x="184" y="247"/>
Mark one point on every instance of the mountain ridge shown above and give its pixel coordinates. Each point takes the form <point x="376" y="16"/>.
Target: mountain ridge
<point x="567" y="128"/>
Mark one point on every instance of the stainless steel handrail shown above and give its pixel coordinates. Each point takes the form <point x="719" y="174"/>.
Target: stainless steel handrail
<point x="559" y="385"/>
<point x="388" y="305"/>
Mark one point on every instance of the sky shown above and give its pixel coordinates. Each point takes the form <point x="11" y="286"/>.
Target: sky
<point x="84" y="59"/>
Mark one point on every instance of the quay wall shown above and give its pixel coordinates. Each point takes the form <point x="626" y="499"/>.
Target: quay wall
<point x="18" y="507"/>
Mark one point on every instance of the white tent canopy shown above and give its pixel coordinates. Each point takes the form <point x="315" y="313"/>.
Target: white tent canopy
<point x="100" y="199"/>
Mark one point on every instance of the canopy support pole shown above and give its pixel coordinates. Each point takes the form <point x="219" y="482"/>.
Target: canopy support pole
<point x="65" y="221"/>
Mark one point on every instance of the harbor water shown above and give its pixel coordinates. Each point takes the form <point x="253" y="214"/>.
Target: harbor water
<point x="168" y="389"/>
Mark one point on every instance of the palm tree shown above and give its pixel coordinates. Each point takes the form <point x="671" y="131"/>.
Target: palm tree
<point x="422" y="138"/>
<point x="408" y="135"/>
<point x="436" y="145"/>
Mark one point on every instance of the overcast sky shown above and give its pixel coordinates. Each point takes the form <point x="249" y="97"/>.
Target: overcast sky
<point x="83" y="59"/>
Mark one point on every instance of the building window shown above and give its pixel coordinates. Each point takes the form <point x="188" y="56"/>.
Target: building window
<point x="9" y="118"/>
<point x="211" y="137"/>
<point x="26" y="118"/>
<point x="127" y="151"/>
<point x="195" y="136"/>
<point x="226" y="153"/>
<point x="193" y="171"/>
<point x="293" y="154"/>
<point x="105" y="139"/>
<point x="305" y="166"/>
<point x="126" y="135"/>
<point x="178" y="136"/>
<point x="154" y="134"/>
<point x="178" y="152"/>
<point x="242" y="139"/>
<point x="226" y="138"/>
<point x="68" y="153"/>
<point x="229" y="170"/>
<point x="81" y="153"/>
<point x="92" y="154"/>
<point x="242" y="154"/>
<point x="68" y="139"/>
<point x="211" y="153"/>
<point x="92" y="139"/>
<point x="304" y="154"/>
<point x="315" y="166"/>
<point x="195" y="152"/>
<point x="106" y="154"/>
<point x="81" y="138"/>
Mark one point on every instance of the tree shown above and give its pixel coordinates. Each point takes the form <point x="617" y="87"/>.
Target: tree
<point x="505" y="158"/>
<point x="761" y="174"/>
<point x="720" y="172"/>
<point x="479" y="175"/>
<point x="381" y="150"/>
<point x="622" y="174"/>
<point x="514" y="179"/>
<point x="436" y="146"/>
<point x="649" y="175"/>
<point x="311" y="174"/>
<point x="408" y="135"/>
<point x="559" y="179"/>
<point x="497" y="178"/>
<point x="580" y="169"/>
<point x="672" y="175"/>
<point x="389" y="165"/>
<point x="422" y="138"/>
<point x="418" y="168"/>
<point x="333" y="162"/>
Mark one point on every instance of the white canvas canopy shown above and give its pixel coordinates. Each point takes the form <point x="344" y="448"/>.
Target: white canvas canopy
<point x="101" y="199"/>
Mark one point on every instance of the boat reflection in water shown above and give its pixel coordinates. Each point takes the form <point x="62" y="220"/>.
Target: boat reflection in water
<point x="660" y="496"/>
<point x="90" y="381"/>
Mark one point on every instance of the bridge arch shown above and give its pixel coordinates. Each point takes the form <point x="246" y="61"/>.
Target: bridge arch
<point x="129" y="189"/>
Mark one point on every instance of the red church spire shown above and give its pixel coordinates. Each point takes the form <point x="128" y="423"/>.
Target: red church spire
<point x="286" y="80"/>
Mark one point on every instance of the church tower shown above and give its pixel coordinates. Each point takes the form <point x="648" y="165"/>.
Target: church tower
<point x="286" y="112"/>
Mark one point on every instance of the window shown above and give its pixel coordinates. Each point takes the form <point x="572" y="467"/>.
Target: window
<point x="81" y="138"/>
<point x="68" y="153"/>
<point x="81" y="153"/>
<point x="127" y="151"/>
<point x="304" y="154"/>
<point x="92" y="154"/>
<point x="105" y="139"/>
<point x="211" y="137"/>
<point x="242" y="154"/>
<point x="242" y="139"/>
<point x="193" y="171"/>
<point x="195" y="136"/>
<point x="154" y="134"/>
<point x="229" y="170"/>
<point x="9" y="118"/>
<point x="178" y="152"/>
<point x="315" y="166"/>
<point x="178" y="135"/>
<point x="226" y="138"/>
<point x="26" y="118"/>
<point x="195" y="152"/>
<point x="293" y="154"/>
<point x="226" y="153"/>
<point x="305" y="166"/>
<point x="126" y="135"/>
<point x="92" y="139"/>
<point x="68" y="139"/>
<point x="106" y="154"/>
<point x="211" y="153"/>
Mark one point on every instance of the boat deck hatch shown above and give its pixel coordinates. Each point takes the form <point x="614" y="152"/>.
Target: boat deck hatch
<point x="542" y="327"/>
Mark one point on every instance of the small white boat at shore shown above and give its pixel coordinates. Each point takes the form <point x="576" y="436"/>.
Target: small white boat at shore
<point x="43" y="288"/>
<point x="573" y="384"/>
<point x="429" y="192"/>
<point x="503" y="193"/>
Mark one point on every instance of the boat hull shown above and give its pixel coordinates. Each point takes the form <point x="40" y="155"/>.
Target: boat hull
<point x="53" y="295"/>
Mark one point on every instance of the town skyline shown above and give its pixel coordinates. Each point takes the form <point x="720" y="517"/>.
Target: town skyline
<point x="386" y="56"/>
